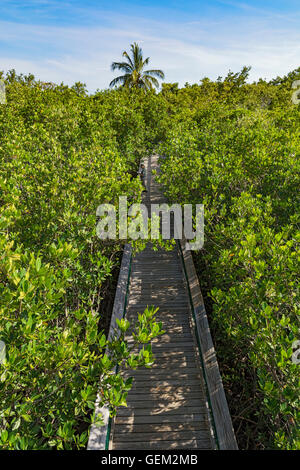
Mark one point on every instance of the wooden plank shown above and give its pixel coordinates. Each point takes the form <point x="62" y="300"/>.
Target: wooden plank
<point x="178" y="314"/>
<point x="159" y="428"/>
<point x="169" y="339"/>
<point x="167" y="388"/>
<point x="165" y="353"/>
<point x="155" y="271"/>
<point x="143" y="302"/>
<point x="175" y="313"/>
<point x="156" y="263"/>
<point x="170" y="321"/>
<point x="151" y="284"/>
<point x="162" y="372"/>
<point x="151" y="262"/>
<point x="164" y="307"/>
<point x="165" y="363"/>
<point x="165" y="294"/>
<point x="167" y="404"/>
<point x="169" y="331"/>
<point x="158" y="276"/>
<point x="158" y="375"/>
<point x="186" y="395"/>
<point x="158" y="410"/>
<point x="175" y="436"/>
<point x="167" y="325"/>
<point x="162" y="419"/>
<point x="222" y="418"/>
<point x="165" y="445"/>
<point x="173" y="346"/>
<point x="155" y="260"/>
<point x="97" y="436"/>
<point x="162" y="384"/>
<point x="173" y="328"/>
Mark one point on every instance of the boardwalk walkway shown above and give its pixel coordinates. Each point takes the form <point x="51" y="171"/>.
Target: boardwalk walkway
<point x="167" y="405"/>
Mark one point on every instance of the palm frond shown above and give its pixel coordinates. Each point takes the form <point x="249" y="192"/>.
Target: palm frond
<point x="151" y="80"/>
<point x="155" y="73"/>
<point x="118" y="80"/>
<point x="121" y="66"/>
<point x="137" y="54"/>
<point x="125" y="54"/>
<point x="147" y="83"/>
<point x="146" y="61"/>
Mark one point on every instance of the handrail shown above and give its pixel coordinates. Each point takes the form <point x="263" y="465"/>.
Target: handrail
<point x="222" y="420"/>
<point x="99" y="436"/>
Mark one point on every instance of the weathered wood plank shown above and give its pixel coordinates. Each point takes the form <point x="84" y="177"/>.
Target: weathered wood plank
<point x="173" y="328"/>
<point x="158" y="375"/>
<point x="166" y="404"/>
<point x="186" y="345"/>
<point x="161" y="411"/>
<point x="158" y="428"/>
<point x="178" y="397"/>
<point x="164" y="387"/>
<point x="165" y="445"/>
<point x="164" y="363"/>
<point x="161" y="384"/>
<point x="162" y="419"/>
<point x="158" y="276"/>
<point x="164" y="291"/>
<point x="177" y="315"/>
<point x="161" y="370"/>
<point x="165" y="339"/>
<point x="178" y="353"/>
<point x="151" y="284"/>
<point x="175" y="436"/>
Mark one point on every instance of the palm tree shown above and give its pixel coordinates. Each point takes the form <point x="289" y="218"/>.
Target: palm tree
<point x="134" y="74"/>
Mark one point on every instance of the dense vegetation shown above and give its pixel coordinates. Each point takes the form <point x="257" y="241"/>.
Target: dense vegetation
<point x="61" y="154"/>
<point x="235" y="148"/>
<point x="230" y="145"/>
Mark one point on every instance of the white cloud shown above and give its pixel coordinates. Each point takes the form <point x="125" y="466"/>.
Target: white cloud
<point x="186" y="51"/>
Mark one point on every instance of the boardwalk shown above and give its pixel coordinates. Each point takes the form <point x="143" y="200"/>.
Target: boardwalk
<point x="167" y="405"/>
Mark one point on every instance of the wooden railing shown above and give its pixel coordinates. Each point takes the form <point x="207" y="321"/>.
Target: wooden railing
<point x="221" y="416"/>
<point x="99" y="436"/>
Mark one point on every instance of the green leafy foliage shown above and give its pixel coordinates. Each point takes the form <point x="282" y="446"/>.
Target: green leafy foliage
<point x="229" y="144"/>
<point x="235" y="148"/>
<point x="62" y="154"/>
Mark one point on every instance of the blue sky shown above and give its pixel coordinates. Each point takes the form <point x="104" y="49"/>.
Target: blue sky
<point x="72" y="40"/>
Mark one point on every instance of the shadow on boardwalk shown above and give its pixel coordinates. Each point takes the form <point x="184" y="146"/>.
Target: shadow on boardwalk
<point x="167" y="405"/>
